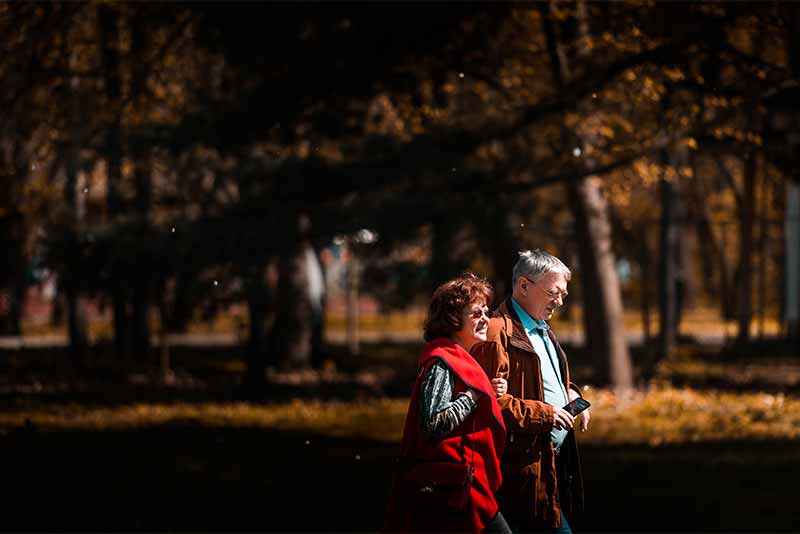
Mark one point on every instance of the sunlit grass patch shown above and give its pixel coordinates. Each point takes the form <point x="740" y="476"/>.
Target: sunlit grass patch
<point x="374" y="419"/>
<point x="658" y="416"/>
<point x="667" y="415"/>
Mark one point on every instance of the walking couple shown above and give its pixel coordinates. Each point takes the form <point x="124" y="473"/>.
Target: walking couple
<point x="487" y="445"/>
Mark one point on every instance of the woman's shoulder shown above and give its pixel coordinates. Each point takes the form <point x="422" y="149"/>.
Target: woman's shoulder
<point x="441" y="347"/>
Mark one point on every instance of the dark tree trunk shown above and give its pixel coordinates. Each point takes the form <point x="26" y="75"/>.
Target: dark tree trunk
<point x="17" y="304"/>
<point x="645" y="264"/>
<point x="682" y="265"/>
<point x="11" y="321"/>
<point x="258" y="309"/>
<point x="142" y="176"/>
<point x="715" y="264"/>
<point x="590" y="282"/>
<point x="318" y="295"/>
<point x="109" y="33"/>
<point x="791" y="263"/>
<point x="636" y="246"/>
<point x="292" y="336"/>
<point x="58" y="310"/>
<point x="763" y="249"/>
<point x="603" y="311"/>
<point x="701" y="228"/>
<point x="77" y="325"/>
<point x="747" y="218"/>
<point x="77" y="316"/>
<point x="120" y="320"/>
<point x="746" y="248"/>
<point x="446" y="260"/>
<point x="603" y="314"/>
<point x="14" y="270"/>
<point x="790" y="196"/>
<point x="181" y="308"/>
<point x="140" y="308"/>
<point x="140" y="325"/>
<point x="498" y="241"/>
<point x="142" y="281"/>
<point x="668" y="249"/>
<point x="164" y="356"/>
<point x="75" y="304"/>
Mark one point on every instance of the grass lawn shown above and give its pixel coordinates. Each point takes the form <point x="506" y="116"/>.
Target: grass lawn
<point x="660" y="460"/>
<point x="111" y="449"/>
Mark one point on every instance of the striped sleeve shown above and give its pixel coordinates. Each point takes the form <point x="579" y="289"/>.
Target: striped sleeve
<point x="439" y="413"/>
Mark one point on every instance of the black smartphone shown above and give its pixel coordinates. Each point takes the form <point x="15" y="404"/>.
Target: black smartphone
<point x="577" y="406"/>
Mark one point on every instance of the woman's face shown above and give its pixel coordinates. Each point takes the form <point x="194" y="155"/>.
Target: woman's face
<point x="474" y="324"/>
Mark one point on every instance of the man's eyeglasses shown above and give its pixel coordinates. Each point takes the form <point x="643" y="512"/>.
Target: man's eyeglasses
<point x="556" y="294"/>
<point x="552" y="294"/>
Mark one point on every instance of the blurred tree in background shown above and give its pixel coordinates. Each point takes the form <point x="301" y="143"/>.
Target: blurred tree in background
<point x="165" y="159"/>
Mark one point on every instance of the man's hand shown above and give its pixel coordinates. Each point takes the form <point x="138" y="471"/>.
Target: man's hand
<point x="500" y="386"/>
<point x="585" y="415"/>
<point x="562" y="419"/>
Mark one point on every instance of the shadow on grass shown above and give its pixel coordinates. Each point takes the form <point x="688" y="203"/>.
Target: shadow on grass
<point x="770" y="365"/>
<point x="199" y="375"/>
<point x="189" y="477"/>
<point x="383" y="369"/>
<point x="185" y="476"/>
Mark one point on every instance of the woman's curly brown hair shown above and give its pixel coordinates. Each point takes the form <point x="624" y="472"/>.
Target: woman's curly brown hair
<point x="448" y="303"/>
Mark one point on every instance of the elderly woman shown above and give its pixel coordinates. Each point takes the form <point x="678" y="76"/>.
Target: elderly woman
<point x="449" y="466"/>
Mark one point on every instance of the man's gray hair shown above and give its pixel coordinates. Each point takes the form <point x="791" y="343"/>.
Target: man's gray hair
<point x="535" y="264"/>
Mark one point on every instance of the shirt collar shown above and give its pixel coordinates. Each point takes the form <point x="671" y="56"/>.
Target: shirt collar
<point x="529" y="323"/>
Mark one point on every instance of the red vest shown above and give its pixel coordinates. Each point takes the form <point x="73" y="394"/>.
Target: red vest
<point x="482" y="436"/>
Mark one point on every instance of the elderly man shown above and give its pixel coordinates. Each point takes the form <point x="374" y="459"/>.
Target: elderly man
<point x="541" y="467"/>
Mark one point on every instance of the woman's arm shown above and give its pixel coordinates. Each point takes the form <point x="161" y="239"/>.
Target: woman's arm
<point x="439" y="413"/>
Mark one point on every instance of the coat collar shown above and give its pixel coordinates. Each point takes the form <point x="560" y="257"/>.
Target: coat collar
<point x="520" y="340"/>
<point x="530" y="324"/>
<point x="518" y="336"/>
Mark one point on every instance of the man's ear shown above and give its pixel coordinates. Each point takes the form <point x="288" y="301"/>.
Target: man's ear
<point x="523" y="284"/>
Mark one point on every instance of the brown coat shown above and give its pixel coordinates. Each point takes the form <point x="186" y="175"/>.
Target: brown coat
<point x="533" y="493"/>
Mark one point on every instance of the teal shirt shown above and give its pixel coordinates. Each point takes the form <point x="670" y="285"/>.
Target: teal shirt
<point x="555" y="393"/>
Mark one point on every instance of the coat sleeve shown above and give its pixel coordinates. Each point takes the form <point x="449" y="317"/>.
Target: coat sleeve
<point x="576" y="388"/>
<point x="519" y="415"/>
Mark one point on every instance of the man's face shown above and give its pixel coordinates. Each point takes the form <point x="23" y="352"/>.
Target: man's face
<point x="542" y="298"/>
